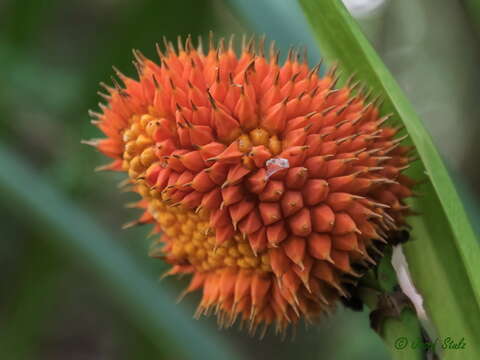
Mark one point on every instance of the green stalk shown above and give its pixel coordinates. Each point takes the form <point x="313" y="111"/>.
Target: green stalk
<point x="399" y="331"/>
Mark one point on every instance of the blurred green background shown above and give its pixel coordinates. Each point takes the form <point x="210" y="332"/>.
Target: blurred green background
<point x="75" y="286"/>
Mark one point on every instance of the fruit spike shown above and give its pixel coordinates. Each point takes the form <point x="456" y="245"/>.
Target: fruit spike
<point x="268" y="181"/>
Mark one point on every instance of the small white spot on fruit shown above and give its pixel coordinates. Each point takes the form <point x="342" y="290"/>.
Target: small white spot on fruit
<point x="275" y="165"/>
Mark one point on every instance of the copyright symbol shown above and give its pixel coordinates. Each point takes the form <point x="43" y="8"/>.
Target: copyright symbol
<point x="401" y="343"/>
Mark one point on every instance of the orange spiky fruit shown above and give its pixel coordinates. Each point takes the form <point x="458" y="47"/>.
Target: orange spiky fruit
<point x="270" y="185"/>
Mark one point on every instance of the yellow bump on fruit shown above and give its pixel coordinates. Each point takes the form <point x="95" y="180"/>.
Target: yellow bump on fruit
<point x="201" y="254"/>
<point x="135" y="128"/>
<point x="233" y="252"/>
<point x="245" y="249"/>
<point x="148" y="157"/>
<point x="244" y="143"/>
<point x="229" y="261"/>
<point x="259" y="136"/>
<point x="145" y="119"/>
<point x="275" y="145"/>
<point x="253" y="261"/>
<point x="143" y="190"/>
<point x="131" y="147"/>
<point x="143" y="141"/>
<point x="185" y="230"/>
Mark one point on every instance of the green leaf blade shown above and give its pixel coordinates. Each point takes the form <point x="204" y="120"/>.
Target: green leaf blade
<point x="444" y="256"/>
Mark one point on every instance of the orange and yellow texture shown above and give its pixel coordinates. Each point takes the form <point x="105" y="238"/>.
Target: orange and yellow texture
<point x="271" y="185"/>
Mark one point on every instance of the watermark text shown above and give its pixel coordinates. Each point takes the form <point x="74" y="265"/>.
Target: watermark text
<point x="447" y="343"/>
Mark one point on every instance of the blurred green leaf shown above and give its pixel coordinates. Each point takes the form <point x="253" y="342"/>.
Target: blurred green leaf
<point x="444" y="255"/>
<point x="32" y="302"/>
<point x="25" y="18"/>
<point x="473" y="11"/>
<point x="147" y="305"/>
<point x="285" y="23"/>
